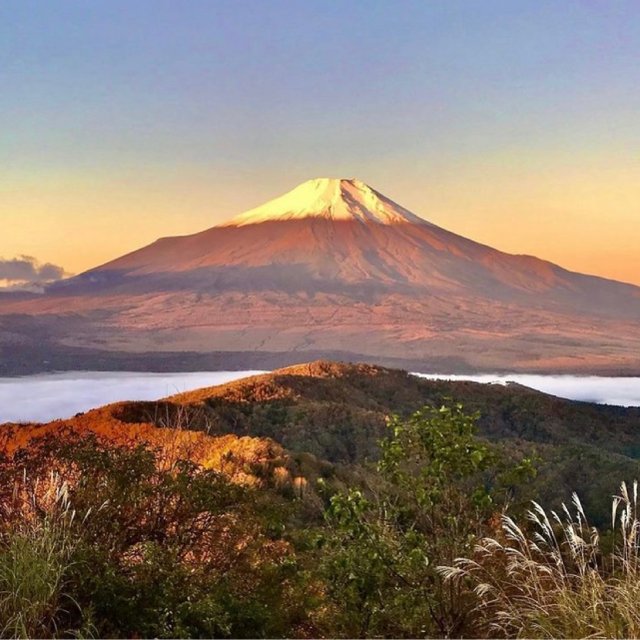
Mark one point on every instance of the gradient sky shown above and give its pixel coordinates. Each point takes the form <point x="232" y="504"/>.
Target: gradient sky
<point x="514" y="123"/>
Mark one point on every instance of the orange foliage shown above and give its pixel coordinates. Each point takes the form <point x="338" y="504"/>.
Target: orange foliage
<point x="243" y="459"/>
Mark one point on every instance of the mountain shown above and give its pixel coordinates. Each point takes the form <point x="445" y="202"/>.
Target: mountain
<point x="332" y="268"/>
<point x="326" y="418"/>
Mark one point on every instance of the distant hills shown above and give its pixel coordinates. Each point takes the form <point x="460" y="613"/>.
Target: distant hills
<point x="335" y="269"/>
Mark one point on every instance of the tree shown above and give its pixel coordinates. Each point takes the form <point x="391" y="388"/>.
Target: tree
<point x="436" y="486"/>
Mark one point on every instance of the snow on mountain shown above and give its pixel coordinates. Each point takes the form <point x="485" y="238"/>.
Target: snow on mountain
<point x="330" y="199"/>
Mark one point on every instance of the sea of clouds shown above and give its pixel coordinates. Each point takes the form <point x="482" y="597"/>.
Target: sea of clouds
<point x="618" y="391"/>
<point x="47" y="397"/>
<point x="41" y="398"/>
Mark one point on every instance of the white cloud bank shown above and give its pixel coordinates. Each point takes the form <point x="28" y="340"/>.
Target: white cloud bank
<point x="618" y="391"/>
<point x="60" y="395"/>
<point x="48" y="397"/>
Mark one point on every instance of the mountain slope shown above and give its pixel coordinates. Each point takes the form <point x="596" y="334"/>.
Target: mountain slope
<point x="334" y="266"/>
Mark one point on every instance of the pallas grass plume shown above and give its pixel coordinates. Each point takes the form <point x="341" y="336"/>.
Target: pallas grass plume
<point x="555" y="576"/>
<point x="36" y="554"/>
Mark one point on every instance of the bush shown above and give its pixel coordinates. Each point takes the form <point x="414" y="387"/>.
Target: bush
<point x="165" y="551"/>
<point x="436" y="486"/>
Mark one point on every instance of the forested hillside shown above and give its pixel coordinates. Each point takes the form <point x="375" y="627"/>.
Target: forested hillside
<point x="323" y="500"/>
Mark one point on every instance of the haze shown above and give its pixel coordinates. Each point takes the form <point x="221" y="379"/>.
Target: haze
<point x="513" y="123"/>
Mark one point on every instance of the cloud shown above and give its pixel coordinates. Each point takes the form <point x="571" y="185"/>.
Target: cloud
<point x="46" y="397"/>
<point x="25" y="272"/>
<point x="614" y="391"/>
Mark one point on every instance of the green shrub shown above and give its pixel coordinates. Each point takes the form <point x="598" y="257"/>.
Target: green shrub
<point x="436" y="486"/>
<point x="173" y="551"/>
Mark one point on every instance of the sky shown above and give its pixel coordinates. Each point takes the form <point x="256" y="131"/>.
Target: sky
<point x="515" y="123"/>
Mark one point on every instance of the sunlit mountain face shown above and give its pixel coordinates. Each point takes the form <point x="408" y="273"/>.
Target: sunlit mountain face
<point x="335" y="268"/>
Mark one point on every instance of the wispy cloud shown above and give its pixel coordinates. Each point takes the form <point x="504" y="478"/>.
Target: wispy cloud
<point x="26" y="272"/>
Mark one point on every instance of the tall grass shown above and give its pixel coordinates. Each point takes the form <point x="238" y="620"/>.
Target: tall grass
<point x="555" y="579"/>
<point x="36" y="551"/>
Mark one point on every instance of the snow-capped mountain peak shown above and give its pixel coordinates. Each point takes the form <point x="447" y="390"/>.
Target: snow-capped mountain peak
<point x="335" y="199"/>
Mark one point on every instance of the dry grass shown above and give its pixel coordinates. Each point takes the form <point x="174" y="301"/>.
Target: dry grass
<point x="555" y="580"/>
<point x="36" y="551"/>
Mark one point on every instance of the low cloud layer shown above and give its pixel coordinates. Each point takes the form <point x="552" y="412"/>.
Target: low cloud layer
<point x="617" y="391"/>
<point x="47" y="397"/>
<point x="25" y="272"/>
<point x="60" y="395"/>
